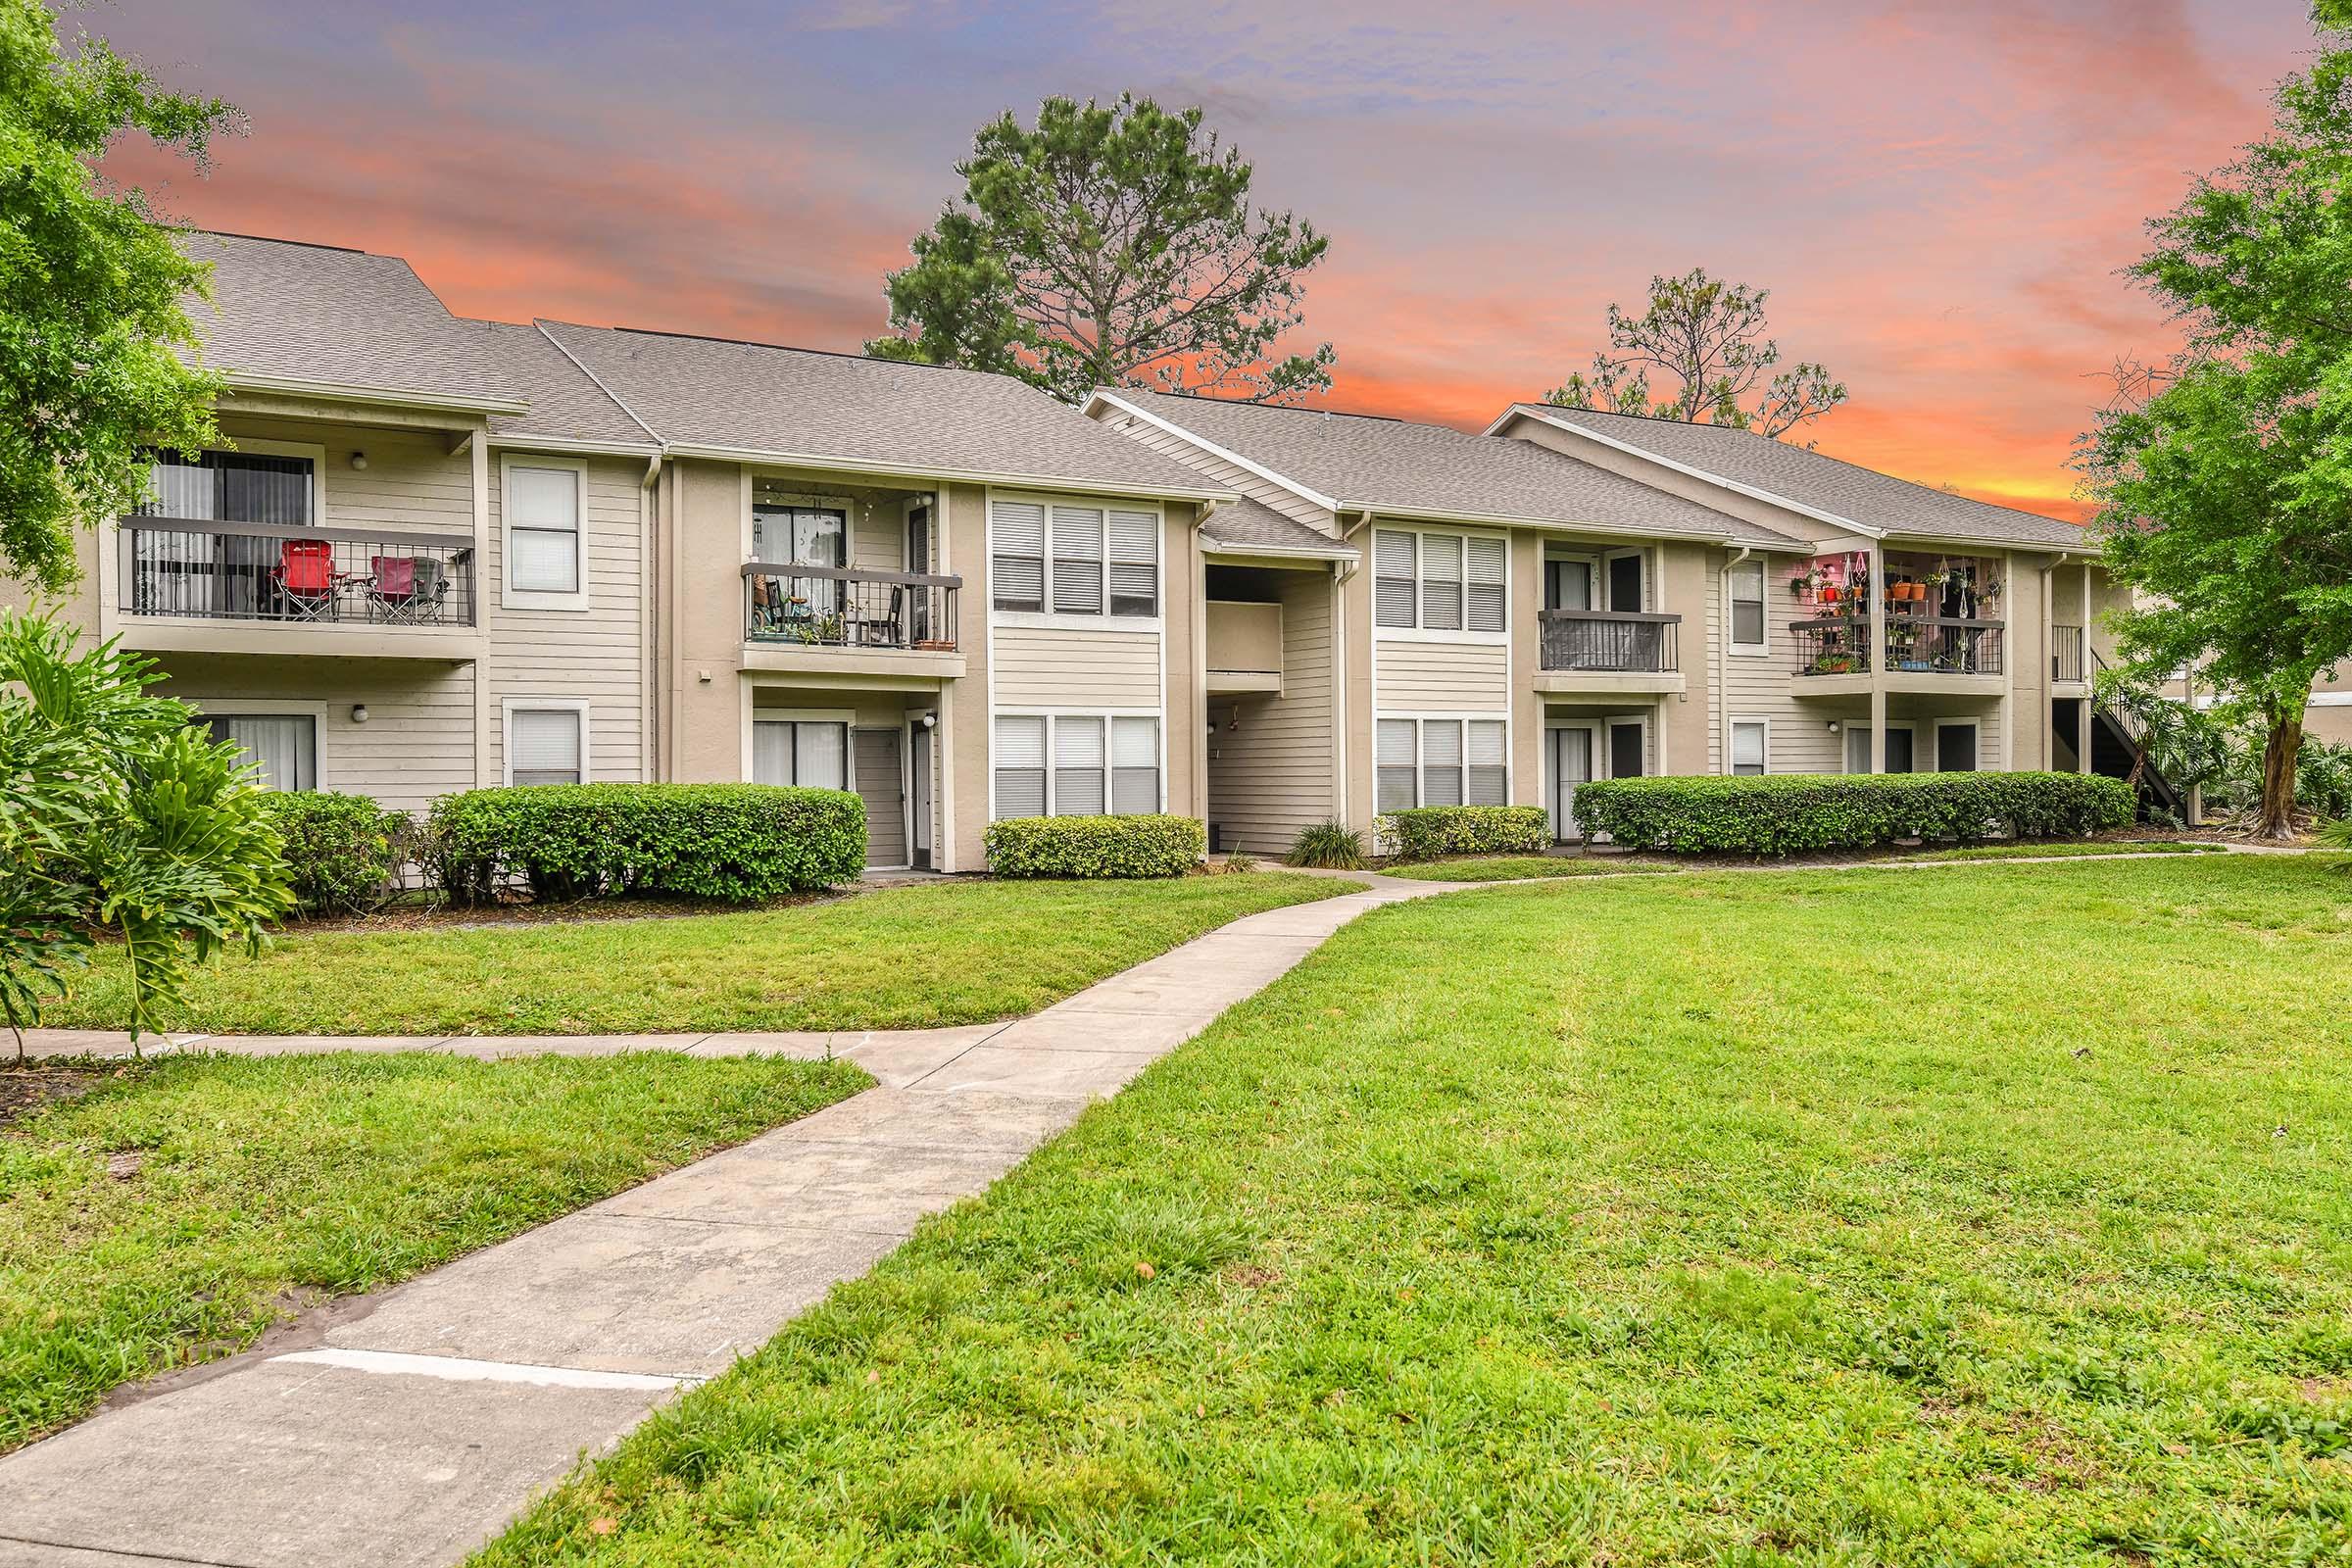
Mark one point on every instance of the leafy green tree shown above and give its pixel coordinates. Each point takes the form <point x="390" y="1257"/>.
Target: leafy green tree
<point x="92" y="293"/>
<point x="117" y="816"/>
<point x="2226" y="491"/>
<point x="1111" y="246"/>
<point x="1707" y="337"/>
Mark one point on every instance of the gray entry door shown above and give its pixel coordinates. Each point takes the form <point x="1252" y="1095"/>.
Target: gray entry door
<point x="882" y="788"/>
<point x="920" y="756"/>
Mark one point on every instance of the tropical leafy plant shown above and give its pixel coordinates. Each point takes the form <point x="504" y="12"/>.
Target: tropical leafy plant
<point x="116" y="815"/>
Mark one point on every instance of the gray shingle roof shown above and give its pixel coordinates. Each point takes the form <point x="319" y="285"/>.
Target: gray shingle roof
<point x="1363" y="460"/>
<point x="1247" y="524"/>
<point x="563" y="402"/>
<point x="1865" y="496"/>
<point x="839" y="408"/>
<point x="313" y="312"/>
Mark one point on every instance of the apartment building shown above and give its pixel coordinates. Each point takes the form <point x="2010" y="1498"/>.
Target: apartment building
<point x="1415" y="615"/>
<point x="435" y="554"/>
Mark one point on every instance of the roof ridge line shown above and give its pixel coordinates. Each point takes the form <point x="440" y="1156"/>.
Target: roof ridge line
<point x="594" y="380"/>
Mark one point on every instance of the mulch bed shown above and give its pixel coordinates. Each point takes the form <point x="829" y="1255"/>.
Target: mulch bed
<point x="27" y="1089"/>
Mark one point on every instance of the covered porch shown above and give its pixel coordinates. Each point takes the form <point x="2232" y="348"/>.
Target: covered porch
<point x="884" y="743"/>
<point x="1586" y="741"/>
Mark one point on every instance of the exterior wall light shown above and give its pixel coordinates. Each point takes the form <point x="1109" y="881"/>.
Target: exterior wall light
<point x="358" y="712"/>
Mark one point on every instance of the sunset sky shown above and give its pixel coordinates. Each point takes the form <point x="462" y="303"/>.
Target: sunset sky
<point x="1938" y="194"/>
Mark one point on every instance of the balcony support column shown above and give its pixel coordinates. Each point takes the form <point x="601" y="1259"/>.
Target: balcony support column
<point x="1878" y="657"/>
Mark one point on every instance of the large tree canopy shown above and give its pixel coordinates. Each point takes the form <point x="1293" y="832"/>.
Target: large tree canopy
<point x="1111" y="246"/>
<point x="1707" y="337"/>
<point x="92" y="293"/>
<point x="2226" y="492"/>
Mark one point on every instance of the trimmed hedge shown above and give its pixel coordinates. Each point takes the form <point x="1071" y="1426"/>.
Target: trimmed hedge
<point x="343" y="852"/>
<point x="1791" y="812"/>
<point x="1096" y="845"/>
<point x="1427" y="832"/>
<point x="736" y="841"/>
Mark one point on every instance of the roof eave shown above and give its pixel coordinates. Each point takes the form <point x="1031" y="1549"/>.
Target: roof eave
<point x="572" y="443"/>
<point x="1214" y="545"/>
<point x="1251" y="465"/>
<point x="1614" y="530"/>
<point x="934" y="474"/>
<point x="393" y="397"/>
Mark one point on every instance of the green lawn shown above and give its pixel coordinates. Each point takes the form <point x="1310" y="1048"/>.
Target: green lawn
<point x="2068" y="849"/>
<point x="907" y="957"/>
<point x="263" y="1183"/>
<point x="1520" y="867"/>
<point x="1998" y="1217"/>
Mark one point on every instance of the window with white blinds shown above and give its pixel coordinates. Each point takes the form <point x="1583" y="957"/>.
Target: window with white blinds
<point x="1441" y="762"/>
<point x="1440" y="582"/>
<point x="282" y="746"/>
<point x="1076" y="764"/>
<point x="543" y="507"/>
<point x="545" y="745"/>
<point x="1749" y="737"/>
<point x="1075" y="558"/>
<point x="1021" y="765"/>
<point x="812" y="753"/>
<point x="1747" y="607"/>
<point x="1016" y="558"/>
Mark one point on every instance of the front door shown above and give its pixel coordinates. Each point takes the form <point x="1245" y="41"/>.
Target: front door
<point x="1627" y="747"/>
<point x="1955" y="748"/>
<point x="1568" y="761"/>
<point x="882" y="787"/>
<point x="919" y="756"/>
<point x="918" y="561"/>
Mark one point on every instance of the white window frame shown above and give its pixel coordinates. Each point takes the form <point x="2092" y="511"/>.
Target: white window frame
<point x="1596" y="586"/>
<point x="509" y="705"/>
<point x="278" y="708"/>
<point x="1731" y="620"/>
<point x="1852" y="728"/>
<point x="1110" y="718"/>
<point x="255" y="447"/>
<point x="1048" y="616"/>
<point x="802" y="501"/>
<point x="1420" y="720"/>
<point x="1731" y="726"/>
<point x="846" y="718"/>
<point x="1936" y="758"/>
<point x="1419" y="633"/>
<point x="510" y="597"/>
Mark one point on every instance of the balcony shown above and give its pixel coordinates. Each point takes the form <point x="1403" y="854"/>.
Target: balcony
<point x="1923" y="653"/>
<point x="837" y="618"/>
<point x="1609" y="651"/>
<point x="203" y="585"/>
<point x="1244" y="648"/>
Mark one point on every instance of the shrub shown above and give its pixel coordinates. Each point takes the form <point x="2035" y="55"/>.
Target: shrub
<point x="343" y="851"/>
<point x="1329" y="845"/>
<point x="1096" y="845"/>
<point x="1427" y="832"/>
<point x="1786" y="813"/>
<point x="737" y="842"/>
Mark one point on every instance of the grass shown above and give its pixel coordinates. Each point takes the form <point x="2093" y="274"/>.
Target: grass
<point x="2068" y="849"/>
<point x="1808" y="1217"/>
<point x="1520" y="867"/>
<point x="260" y="1184"/>
<point x="918" y="957"/>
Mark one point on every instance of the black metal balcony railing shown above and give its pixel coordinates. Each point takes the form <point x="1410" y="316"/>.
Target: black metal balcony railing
<point x="837" y="607"/>
<point x="2066" y="654"/>
<point x="212" y="570"/>
<point x="1608" y="641"/>
<point x="1934" y="645"/>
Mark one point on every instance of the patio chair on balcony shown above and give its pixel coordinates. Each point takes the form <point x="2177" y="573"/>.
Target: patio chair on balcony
<point x="889" y="629"/>
<point x="308" y="587"/>
<point x="406" y="590"/>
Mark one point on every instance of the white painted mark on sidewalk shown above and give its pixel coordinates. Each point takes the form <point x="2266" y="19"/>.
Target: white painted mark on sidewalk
<point x="458" y="1369"/>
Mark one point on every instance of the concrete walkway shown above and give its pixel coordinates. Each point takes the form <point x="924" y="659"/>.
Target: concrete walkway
<point x="411" y="1430"/>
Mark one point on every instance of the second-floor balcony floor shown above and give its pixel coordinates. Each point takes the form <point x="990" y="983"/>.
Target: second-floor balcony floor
<point x="1608" y="650"/>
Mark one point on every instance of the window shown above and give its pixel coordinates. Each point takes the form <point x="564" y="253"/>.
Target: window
<point x="812" y="753"/>
<point x="547" y="744"/>
<point x="1021" y="767"/>
<point x="1099" y="763"/>
<point x="1441" y="762"/>
<point x="1078" y="559"/>
<point x="283" y="746"/>
<point x="543" y="507"/>
<point x="1748" y="739"/>
<point x="234" y="487"/>
<point x="1440" y="582"/>
<point x="1747" y="607"/>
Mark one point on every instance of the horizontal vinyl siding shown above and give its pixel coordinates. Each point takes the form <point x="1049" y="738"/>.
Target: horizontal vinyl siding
<point x="1274" y="775"/>
<point x="1232" y="476"/>
<point x="595" y="656"/>
<point x="1757" y="687"/>
<point x="417" y="745"/>
<point x="1442" y="677"/>
<point x="1052" y="668"/>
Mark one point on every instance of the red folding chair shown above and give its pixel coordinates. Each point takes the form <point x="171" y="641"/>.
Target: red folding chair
<point x="305" y="579"/>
